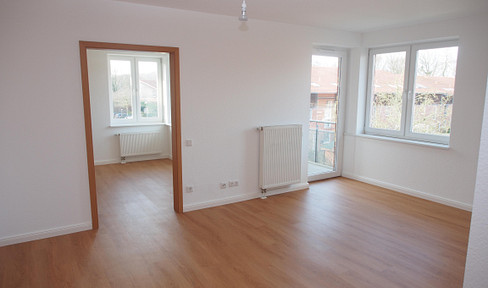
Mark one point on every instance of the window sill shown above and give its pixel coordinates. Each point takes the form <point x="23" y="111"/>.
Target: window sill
<point x="138" y="124"/>
<point x="399" y="140"/>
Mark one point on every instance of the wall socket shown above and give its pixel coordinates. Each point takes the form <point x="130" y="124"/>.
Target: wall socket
<point x="234" y="183"/>
<point x="222" y="185"/>
<point x="189" y="189"/>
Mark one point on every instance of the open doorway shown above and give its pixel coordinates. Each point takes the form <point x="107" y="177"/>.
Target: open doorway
<point x="130" y="105"/>
<point x="138" y="110"/>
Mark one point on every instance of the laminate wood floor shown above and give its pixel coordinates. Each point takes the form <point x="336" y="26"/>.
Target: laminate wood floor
<point x="340" y="233"/>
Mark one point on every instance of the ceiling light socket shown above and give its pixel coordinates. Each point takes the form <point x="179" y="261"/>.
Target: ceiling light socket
<point x="243" y="16"/>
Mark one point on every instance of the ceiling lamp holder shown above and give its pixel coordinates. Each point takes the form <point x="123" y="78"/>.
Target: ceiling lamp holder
<point x="243" y="16"/>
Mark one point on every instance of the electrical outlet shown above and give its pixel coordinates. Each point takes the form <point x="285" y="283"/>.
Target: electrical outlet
<point x="189" y="189"/>
<point x="234" y="183"/>
<point x="223" y="185"/>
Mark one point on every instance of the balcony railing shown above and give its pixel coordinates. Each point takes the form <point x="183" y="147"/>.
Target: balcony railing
<point x="322" y="139"/>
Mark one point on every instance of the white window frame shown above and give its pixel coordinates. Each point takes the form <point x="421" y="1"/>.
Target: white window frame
<point x="386" y="132"/>
<point x="341" y="90"/>
<point x="163" y="91"/>
<point x="407" y="95"/>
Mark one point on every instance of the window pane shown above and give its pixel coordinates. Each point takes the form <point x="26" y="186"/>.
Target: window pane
<point x="387" y="90"/>
<point x="149" y="89"/>
<point x="434" y="91"/>
<point x="120" y="71"/>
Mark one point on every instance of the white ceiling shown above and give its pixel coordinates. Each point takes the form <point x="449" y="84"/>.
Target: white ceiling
<point x="350" y="15"/>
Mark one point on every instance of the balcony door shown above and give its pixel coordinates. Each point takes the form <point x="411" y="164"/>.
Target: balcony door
<point x="326" y="122"/>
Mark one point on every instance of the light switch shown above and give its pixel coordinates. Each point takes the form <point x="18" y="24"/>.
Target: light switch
<point x="188" y="142"/>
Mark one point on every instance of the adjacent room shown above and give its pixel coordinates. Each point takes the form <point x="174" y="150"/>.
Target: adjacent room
<point x="132" y="143"/>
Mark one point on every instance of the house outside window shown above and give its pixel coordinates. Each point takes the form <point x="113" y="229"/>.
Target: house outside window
<point x="411" y="91"/>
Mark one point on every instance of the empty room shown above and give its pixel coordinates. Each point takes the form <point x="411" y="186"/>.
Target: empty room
<point x="162" y="143"/>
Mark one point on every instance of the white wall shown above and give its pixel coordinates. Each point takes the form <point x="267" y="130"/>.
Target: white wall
<point x="106" y="148"/>
<point x="231" y="82"/>
<point x="477" y="260"/>
<point x="443" y="175"/>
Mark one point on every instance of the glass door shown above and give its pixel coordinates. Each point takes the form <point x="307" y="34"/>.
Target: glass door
<point x="325" y="125"/>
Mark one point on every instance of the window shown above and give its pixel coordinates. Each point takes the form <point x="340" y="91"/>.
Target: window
<point x="137" y="85"/>
<point x="411" y="91"/>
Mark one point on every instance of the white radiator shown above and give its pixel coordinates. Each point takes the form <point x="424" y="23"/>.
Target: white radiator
<point x="133" y="144"/>
<point x="280" y="154"/>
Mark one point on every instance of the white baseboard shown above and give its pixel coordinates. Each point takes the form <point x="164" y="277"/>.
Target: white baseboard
<point x="219" y="202"/>
<point x="45" y="234"/>
<point x="132" y="159"/>
<point x="107" y="162"/>
<point x="240" y="198"/>
<point x="409" y="191"/>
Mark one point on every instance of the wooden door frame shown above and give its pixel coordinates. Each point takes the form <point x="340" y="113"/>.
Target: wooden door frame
<point x="175" y="117"/>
